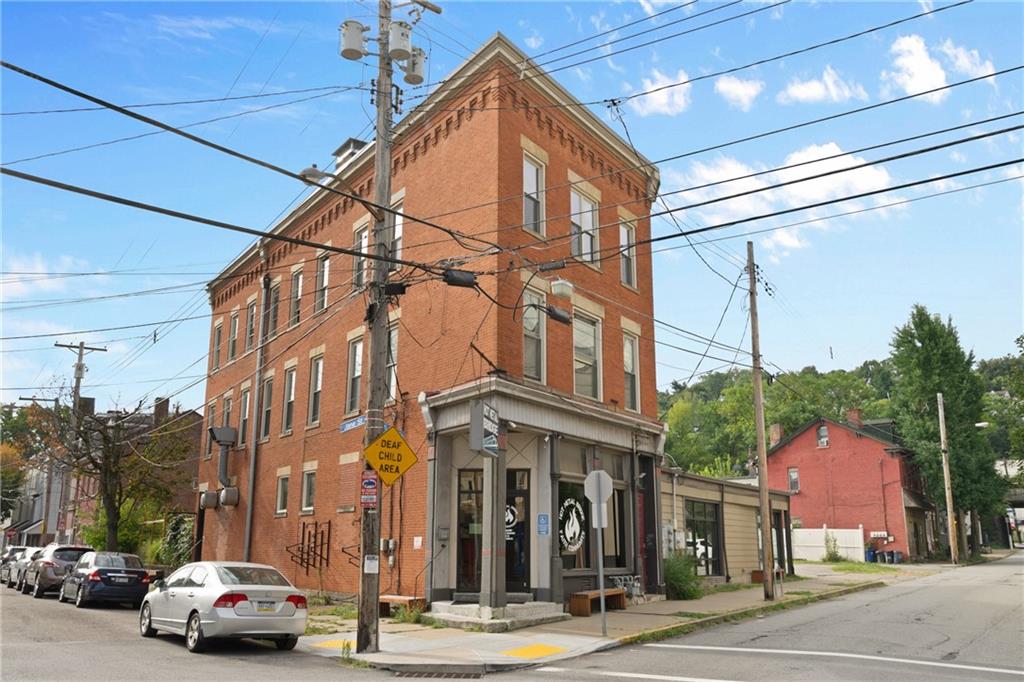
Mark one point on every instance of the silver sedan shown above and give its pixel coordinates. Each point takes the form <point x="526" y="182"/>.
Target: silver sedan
<point x="212" y="599"/>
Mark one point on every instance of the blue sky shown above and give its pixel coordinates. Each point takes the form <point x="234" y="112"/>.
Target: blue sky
<point x="841" y="286"/>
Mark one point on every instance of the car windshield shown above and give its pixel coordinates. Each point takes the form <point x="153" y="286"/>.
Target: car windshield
<point x="69" y="553"/>
<point x="251" y="575"/>
<point x="118" y="561"/>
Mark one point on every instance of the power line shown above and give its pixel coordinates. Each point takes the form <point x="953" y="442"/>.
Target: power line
<point x="207" y="100"/>
<point x="104" y="329"/>
<point x="373" y="207"/>
<point x="32" y="304"/>
<point x="741" y="140"/>
<point x="208" y="221"/>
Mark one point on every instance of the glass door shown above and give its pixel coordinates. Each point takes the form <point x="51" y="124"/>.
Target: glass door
<point x="470" y="530"/>
<point x="517" y="531"/>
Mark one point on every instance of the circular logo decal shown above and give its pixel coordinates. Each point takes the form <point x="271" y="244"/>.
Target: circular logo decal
<point x="571" y="525"/>
<point x="511" y="516"/>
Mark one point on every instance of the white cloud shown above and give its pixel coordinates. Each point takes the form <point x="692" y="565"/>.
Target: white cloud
<point x="737" y="92"/>
<point x="967" y="62"/>
<point x="958" y="157"/>
<point x="926" y="6"/>
<point x="668" y="101"/>
<point x="206" y="28"/>
<point x="534" y="40"/>
<point x="829" y="88"/>
<point x="914" y="69"/>
<point x="584" y="74"/>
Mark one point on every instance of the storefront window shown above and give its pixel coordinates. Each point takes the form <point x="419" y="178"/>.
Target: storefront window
<point x="702" y="536"/>
<point x="471" y="529"/>
<point x="573" y="525"/>
<point x="615" y="534"/>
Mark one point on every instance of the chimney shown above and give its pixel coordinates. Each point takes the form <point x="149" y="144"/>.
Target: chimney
<point x="87" y="406"/>
<point x="774" y="435"/>
<point x="855" y="416"/>
<point x="160" y="410"/>
<point x="346" y="152"/>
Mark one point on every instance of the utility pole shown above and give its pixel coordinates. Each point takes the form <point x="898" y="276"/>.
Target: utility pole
<point x="368" y="629"/>
<point x="954" y="553"/>
<point x="767" y="558"/>
<point x="76" y="394"/>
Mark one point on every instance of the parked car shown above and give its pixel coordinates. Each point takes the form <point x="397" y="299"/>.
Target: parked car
<point x="46" y="572"/>
<point x="107" y="577"/>
<point x="17" y="574"/>
<point x="7" y="558"/>
<point x="212" y="599"/>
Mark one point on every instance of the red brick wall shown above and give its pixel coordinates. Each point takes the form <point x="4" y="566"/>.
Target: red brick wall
<point x="842" y="485"/>
<point x="450" y="161"/>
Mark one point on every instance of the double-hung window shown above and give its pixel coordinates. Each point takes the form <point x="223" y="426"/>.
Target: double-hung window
<point x="211" y="421"/>
<point x="362" y="245"/>
<point x="631" y="376"/>
<point x="587" y="356"/>
<point x="308" y="490"/>
<point x="393" y="362"/>
<point x="282" y="495"/>
<point x="627" y="245"/>
<point x="533" y="335"/>
<point x="794" y="480"/>
<point x="233" y="337"/>
<point x="250" y="326"/>
<point x="270" y="317"/>
<point x="396" y="236"/>
<point x="289" y="401"/>
<point x="295" y="309"/>
<point x="226" y="417"/>
<point x="316" y="382"/>
<point x="243" y="417"/>
<point x="584" y="227"/>
<point x="533" y="186"/>
<point x="217" y="334"/>
<point x="323" y="271"/>
<point x="355" y="375"/>
<point x="266" y="407"/>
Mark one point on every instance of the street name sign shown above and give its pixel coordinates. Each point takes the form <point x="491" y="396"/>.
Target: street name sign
<point x="390" y="456"/>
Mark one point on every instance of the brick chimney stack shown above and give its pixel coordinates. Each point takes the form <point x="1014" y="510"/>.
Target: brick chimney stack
<point x="855" y="416"/>
<point x="161" y="408"/>
<point x="774" y="435"/>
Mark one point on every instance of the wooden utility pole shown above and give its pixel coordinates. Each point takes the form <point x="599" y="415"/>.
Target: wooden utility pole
<point x="954" y="553"/>
<point x="368" y="628"/>
<point x="767" y="555"/>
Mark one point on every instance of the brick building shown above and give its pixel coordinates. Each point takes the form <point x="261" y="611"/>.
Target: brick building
<point x="854" y="473"/>
<point x="517" y="162"/>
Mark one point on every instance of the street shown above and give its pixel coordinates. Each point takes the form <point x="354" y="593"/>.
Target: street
<point x="45" y="640"/>
<point x="964" y="624"/>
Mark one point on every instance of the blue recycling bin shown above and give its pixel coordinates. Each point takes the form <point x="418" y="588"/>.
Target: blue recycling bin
<point x="869" y="556"/>
<point x="897" y="557"/>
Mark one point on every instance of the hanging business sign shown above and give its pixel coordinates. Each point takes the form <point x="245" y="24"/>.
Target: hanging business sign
<point x="483" y="428"/>
<point x="572" y="527"/>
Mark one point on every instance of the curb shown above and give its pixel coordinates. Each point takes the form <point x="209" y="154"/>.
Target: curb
<point x="742" y="614"/>
<point x="665" y="632"/>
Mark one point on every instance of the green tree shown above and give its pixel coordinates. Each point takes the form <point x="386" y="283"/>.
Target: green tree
<point x="928" y="360"/>
<point x="20" y="445"/>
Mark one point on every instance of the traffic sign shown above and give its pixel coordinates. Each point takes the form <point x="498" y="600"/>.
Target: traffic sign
<point x="368" y="490"/>
<point x="598" y="486"/>
<point x="390" y="456"/>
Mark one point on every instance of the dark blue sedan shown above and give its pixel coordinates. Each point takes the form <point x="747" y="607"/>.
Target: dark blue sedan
<point x="105" y="577"/>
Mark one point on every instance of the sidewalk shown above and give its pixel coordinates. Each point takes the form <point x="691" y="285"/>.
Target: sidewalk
<point x="428" y="649"/>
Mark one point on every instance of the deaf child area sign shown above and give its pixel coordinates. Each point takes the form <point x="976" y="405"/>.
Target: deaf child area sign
<point x="390" y="456"/>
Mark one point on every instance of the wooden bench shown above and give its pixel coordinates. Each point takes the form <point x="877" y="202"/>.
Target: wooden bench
<point x="581" y="603"/>
<point x="388" y="600"/>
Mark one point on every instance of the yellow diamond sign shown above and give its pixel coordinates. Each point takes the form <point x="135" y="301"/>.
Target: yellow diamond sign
<point x="390" y="455"/>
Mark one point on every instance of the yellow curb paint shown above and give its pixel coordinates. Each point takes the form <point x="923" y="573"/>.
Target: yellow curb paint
<point x="534" y="651"/>
<point x="336" y="644"/>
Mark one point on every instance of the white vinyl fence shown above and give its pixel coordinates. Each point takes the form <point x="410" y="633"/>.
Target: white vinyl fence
<point x="809" y="543"/>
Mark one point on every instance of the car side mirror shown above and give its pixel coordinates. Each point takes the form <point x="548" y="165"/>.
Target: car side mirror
<point x="159" y="584"/>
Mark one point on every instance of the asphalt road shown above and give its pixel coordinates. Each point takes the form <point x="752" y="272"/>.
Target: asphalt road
<point x="962" y="624"/>
<point x="41" y="639"/>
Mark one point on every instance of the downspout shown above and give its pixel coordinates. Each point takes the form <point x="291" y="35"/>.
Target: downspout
<point x="724" y="540"/>
<point x="257" y="400"/>
<point x="675" y="524"/>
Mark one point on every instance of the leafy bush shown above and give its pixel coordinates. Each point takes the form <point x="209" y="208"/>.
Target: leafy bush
<point x="407" y="614"/>
<point x="681" y="581"/>
<point x="832" y="554"/>
<point x="149" y="551"/>
<point x="177" y="545"/>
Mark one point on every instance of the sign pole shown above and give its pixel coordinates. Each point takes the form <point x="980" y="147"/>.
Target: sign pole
<point x="600" y="580"/>
<point x="598" y="488"/>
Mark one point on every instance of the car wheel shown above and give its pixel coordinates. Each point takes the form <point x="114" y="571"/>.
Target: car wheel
<point x="194" y="640"/>
<point x="60" y="595"/>
<point x="37" y="590"/>
<point x="23" y="585"/>
<point x="146" y="622"/>
<point x="80" y="601"/>
<point x="286" y="644"/>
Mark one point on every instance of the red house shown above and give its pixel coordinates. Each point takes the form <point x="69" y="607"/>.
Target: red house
<point x="850" y="474"/>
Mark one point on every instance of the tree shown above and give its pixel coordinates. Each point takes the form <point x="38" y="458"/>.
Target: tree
<point x="928" y="359"/>
<point x="134" y="461"/>
<point x="20" y="444"/>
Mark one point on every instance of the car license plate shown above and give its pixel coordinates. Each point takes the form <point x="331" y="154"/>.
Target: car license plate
<point x="266" y="606"/>
<point x="120" y="580"/>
